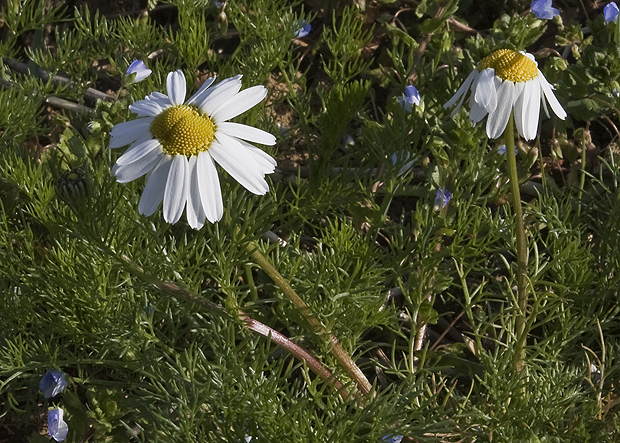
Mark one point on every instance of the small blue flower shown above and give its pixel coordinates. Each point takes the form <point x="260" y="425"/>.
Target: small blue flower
<point x="53" y="383"/>
<point x="542" y="9"/>
<point x="393" y="438"/>
<point x="502" y="150"/>
<point x="284" y="130"/>
<point x="56" y="426"/>
<point x="595" y="373"/>
<point x="304" y="29"/>
<point x="610" y="12"/>
<point x="411" y="97"/>
<point x="442" y="198"/>
<point x="139" y="68"/>
<point x="403" y="157"/>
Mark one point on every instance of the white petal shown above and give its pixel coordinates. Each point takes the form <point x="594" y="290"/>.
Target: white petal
<point x="472" y="98"/>
<point x="485" y="94"/>
<point x="262" y="159"/>
<point x="462" y="92"/>
<point x="476" y="112"/>
<point x="520" y="98"/>
<point x="239" y="163"/>
<point x="137" y="151"/>
<point x="219" y="94"/>
<point x="208" y="184"/>
<point x="195" y="212"/>
<point x="246" y="132"/>
<point x="161" y="99"/>
<point x="146" y="108"/>
<point x="177" y="188"/>
<point x="530" y="56"/>
<point x="551" y="98"/>
<point x="544" y="102"/>
<point x="128" y="132"/>
<point x="531" y="108"/>
<point x="496" y="123"/>
<point x="132" y="171"/>
<point x="155" y="187"/>
<point x="246" y="99"/>
<point x="175" y="84"/>
<point x="198" y="96"/>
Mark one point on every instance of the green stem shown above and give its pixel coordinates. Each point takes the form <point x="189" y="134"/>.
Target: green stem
<point x="520" y="332"/>
<point x="257" y="327"/>
<point x="582" y="180"/>
<point x="617" y="32"/>
<point x="336" y="349"/>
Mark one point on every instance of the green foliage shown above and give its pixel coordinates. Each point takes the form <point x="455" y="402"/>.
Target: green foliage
<point x="266" y="29"/>
<point x="21" y="16"/>
<point x="516" y="32"/>
<point x="345" y="41"/>
<point x="148" y="319"/>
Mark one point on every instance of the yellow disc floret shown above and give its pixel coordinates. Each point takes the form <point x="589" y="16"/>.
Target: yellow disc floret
<point x="510" y="65"/>
<point x="183" y="130"/>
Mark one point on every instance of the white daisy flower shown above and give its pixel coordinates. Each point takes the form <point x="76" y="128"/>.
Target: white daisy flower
<point x="504" y="81"/>
<point x="178" y="142"/>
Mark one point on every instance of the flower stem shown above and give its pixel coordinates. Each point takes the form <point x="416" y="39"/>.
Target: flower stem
<point x="174" y="290"/>
<point x="281" y="340"/>
<point x="520" y="333"/>
<point x="336" y="349"/>
<point x="582" y="180"/>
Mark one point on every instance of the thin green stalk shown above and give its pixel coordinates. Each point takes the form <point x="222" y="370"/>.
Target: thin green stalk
<point x="582" y="180"/>
<point x="336" y="349"/>
<point x="617" y="33"/>
<point x="509" y="139"/>
<point x="181" y="293"/>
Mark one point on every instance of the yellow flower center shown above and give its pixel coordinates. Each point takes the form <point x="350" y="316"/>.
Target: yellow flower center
<point x="510" y="65"/>
<point x="183" y="130"/>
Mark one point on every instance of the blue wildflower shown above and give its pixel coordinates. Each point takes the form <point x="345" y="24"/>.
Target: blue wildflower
<point x="542" y="9"/>
<point x="304" y="29"/>
<point x="442" y="198"/>
<point x="53" y="383"/>
<point x="411" y="97"/>
<point x="393" y="438"/>
<point x="348" y="140"/>
<point x="502" y="150"/>
<point x="140" y="70"/>
<point x="595" y="373"/>
<point x="610" y="12"/>
<point x="284" y="130"/>
<point x="403" y="157"/>
<point x="56" y="426"/>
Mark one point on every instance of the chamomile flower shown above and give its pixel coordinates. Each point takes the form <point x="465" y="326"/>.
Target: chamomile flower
<point x="505" y="81"/>
<point x="178" y="142"/>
